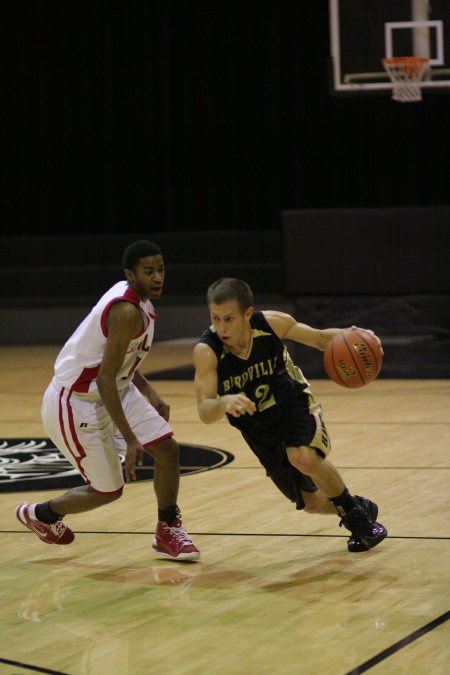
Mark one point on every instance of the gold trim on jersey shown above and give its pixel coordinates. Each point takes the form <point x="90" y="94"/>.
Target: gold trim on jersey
<point x="256" y="332"/>
<point x="293" y="370"/>
<point x="296" y="374"/>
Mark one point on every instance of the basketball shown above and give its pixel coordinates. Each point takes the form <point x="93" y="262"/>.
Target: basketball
<point x="353" y="358"/>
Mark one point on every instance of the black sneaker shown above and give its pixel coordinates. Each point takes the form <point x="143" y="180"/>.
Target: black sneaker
<point x="358" y="522"/>
<point x="354" y="543"/>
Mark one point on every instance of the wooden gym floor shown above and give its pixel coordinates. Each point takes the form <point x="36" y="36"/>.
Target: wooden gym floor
<point x="276" y="592"/>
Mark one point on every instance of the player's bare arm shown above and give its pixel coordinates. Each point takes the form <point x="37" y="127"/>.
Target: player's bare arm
<point x="212" y="407"/>
<point x="151" y="395"/>
<point x="287" y="328"/>
<point x="123" y="323"/>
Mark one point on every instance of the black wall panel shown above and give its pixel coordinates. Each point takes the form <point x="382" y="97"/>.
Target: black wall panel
<point x="183" y="115"/>
<point x="367" y="251"/>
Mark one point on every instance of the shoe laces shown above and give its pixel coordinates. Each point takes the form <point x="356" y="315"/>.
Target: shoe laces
<point x="58" y="528"/>
<point x="357" y="513"/>
<point x="179" y="533"/>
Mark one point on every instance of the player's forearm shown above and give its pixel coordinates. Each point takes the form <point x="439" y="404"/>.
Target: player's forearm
<point x="325" y="336"/>
<point x="211" y="409"/>
<point x="287" y="328"/>
<point x="110" y="396"/>
<point x="144" y="386"/>
<point x="149" y="392"/>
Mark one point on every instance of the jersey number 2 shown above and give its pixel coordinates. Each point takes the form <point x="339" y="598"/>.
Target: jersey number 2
<point x="265" y="398"/>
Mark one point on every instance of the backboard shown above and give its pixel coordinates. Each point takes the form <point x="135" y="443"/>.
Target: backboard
<point x="362" y="32"/>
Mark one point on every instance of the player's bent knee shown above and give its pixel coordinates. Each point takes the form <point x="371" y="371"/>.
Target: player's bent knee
<point x="164" y="452"/>
<point x="108" y="497"/>
<point x="304" y="459"/>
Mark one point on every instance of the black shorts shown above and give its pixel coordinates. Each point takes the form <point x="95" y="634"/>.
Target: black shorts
<point x="290" y="481"/>
<point x="286" y="477"/>
<point x="299" y="424"/>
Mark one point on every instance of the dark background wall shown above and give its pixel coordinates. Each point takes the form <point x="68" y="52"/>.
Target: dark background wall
<point x="172" y="115"/>
<point x="199" y="123"/>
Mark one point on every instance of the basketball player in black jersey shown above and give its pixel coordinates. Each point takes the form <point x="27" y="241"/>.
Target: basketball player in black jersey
<point x="243" y="371"/>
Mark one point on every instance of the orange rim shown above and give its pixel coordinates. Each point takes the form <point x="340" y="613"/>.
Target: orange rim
<point x="411" y="65"/>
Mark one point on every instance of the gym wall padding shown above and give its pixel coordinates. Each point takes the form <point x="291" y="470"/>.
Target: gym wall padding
<point x="367" y="251"/>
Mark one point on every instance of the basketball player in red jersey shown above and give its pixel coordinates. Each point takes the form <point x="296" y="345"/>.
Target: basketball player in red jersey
<point x="243" y="371"/>
<point x="98" y="403"/>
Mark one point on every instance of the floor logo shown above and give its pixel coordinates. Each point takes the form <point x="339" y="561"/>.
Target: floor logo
<point x="35" y="464"/>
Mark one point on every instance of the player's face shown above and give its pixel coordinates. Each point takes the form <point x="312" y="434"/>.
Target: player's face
<point x="148" y="278"/>
<point x="231" y="323"/>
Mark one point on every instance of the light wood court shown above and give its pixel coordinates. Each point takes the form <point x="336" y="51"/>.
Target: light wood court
<point x="276" y="592"/>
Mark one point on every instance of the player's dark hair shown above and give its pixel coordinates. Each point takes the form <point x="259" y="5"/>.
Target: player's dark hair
<point x="137" y="250"/>
<point x="226" y="289"/>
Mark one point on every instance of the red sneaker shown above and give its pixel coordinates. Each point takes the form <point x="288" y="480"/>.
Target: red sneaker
<point x="172" y="541"/>
<point x="50" y="533"/>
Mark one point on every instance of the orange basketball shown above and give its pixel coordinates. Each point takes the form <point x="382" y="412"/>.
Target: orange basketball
<point x="353" y="358"/>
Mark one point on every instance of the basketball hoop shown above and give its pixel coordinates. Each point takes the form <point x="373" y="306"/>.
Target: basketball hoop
<point x="406" y="73"/>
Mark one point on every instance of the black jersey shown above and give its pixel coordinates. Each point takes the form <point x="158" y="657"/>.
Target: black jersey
<point x="267" y="376"/>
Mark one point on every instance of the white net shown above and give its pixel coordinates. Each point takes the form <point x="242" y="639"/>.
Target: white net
<point x="406" y="73"/>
